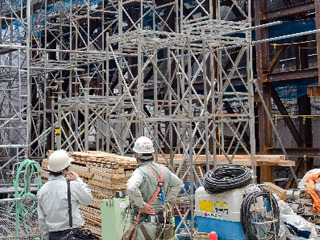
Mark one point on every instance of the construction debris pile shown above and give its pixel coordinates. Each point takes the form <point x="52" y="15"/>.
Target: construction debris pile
<point x="105" y="174"/>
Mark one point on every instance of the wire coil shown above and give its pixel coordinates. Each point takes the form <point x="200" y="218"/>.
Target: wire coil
<point x="260" y="218"/>
<point x="227" y="177"/>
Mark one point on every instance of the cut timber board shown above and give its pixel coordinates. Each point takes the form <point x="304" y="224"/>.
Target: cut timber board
<point x="271" y="187"/>
<point x="260" y="160"/>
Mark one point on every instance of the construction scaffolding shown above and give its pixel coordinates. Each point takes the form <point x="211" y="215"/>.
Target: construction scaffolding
<point x="95" y="75"/>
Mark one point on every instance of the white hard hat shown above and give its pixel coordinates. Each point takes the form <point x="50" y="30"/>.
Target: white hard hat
<point x="143" y="145"/>
<point x="58" y="160"/>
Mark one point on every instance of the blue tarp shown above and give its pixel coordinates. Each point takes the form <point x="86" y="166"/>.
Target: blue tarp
<point x="287" y="28"/>
<point x="293" y="88"/>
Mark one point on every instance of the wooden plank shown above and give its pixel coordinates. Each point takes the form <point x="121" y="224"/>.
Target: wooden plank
<point x="239" y="162"/>
<point x="236" y="157"/>
<point x="271" y="187"/>
<point x="260" y="160"/>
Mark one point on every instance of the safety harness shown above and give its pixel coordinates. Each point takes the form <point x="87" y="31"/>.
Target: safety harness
<point x="159" y="186"/>
<point x="154" y="196"/>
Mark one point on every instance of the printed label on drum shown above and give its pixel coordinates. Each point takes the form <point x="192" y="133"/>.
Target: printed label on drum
<point x="205" y="205"/>
<point x="220" y="204"/>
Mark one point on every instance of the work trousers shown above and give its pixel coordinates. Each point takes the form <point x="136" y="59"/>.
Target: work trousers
<point x="152" y="229"/>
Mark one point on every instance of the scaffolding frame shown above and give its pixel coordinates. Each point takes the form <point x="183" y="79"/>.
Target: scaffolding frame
<point x="99" y="75"/>
<point x="14" y="87"/>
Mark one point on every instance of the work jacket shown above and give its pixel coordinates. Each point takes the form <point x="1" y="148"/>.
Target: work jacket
<point x="142" y="185"/>
<point x="53" y="204"/>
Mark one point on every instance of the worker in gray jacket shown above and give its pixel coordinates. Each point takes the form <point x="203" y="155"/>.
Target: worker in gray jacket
<point x="149" y="188"/>
<point x="53" y="198"/>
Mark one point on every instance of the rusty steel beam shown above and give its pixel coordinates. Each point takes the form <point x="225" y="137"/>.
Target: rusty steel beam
<point x="288" y="119"/>
<point x="290" y="75"/>
<point x="265" y="136"/>
<point x="277" y="57"/>
<point x="304" y="163"/>
<point x="305" y="126"/>
<point x="317" y="9"/>
<point x="297" y="152"/>
<point x="262" y="66"/>
<point x="289" y="11"/>
<point x="313" y="91"/>
<point x="299" y="164"/>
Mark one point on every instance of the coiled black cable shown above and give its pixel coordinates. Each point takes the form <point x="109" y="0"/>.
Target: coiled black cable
<point x="227" y="177"/>
<point x="260" y="218"/>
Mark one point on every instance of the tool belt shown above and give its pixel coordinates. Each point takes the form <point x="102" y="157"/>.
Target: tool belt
<point x="158" y="217"/>
<point x="165" y="229"/>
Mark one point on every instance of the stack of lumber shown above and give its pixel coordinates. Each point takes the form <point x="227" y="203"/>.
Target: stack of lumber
<point x="105" y="174"/>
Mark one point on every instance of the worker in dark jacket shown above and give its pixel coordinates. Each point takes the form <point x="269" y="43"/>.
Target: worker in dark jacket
<point x="53" y="201"/>
<point x="149" y="188"/>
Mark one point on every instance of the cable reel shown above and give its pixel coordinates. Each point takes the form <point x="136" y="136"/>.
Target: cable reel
<point x="227" y="177"/>
<point x="260" y="216"/>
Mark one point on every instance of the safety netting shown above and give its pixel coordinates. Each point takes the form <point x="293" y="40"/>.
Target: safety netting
<point x="19" y="219"/>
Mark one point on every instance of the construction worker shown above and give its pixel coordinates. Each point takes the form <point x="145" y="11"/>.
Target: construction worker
<point x="53" y="198"/>
<point x="149" y="188"/>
